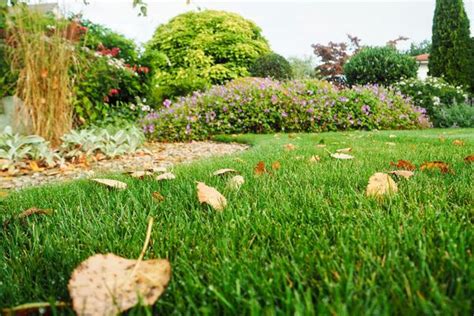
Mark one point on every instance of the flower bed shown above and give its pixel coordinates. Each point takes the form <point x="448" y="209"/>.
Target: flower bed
<point x="256" y="105"/>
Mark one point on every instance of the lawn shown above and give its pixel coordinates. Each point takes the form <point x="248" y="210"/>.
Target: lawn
<point x="302" y="240"/>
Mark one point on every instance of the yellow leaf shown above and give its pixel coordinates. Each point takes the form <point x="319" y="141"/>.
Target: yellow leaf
<point x="344" y="150"/>
<point x="342" y="156"/>
<point x="158" y="197"/>
<point x="141" y="174"/>
<point x="289" y="147"/>
<point x="314" y="159"/>
<point x="458" y="142"/>
<point x="276" y="165"/>
<point x="211" y="196"/>
<point x="166" y="176"/>
<point x="407" y="174"/>
<point x="381" y="184"/>
<point x="224" y="171"/>
<point x="235" y="182"/>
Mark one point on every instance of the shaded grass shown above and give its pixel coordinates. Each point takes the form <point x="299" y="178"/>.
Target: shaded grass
<point x="303" y="240"/>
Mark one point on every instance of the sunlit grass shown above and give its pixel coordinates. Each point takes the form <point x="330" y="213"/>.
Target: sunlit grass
<point x="302" y="240"/>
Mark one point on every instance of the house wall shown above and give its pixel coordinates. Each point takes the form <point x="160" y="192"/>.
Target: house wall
<point x="422" y="70"/>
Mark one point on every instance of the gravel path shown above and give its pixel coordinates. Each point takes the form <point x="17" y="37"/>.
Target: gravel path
<point x="153" y="155"/>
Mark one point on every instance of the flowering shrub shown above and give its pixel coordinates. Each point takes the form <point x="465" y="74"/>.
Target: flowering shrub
<point x="255" y="105"/>
<point x="458" y="115"/>
<point x="431" y="93"/>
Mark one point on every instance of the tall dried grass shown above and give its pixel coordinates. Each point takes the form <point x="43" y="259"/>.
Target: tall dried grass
<point x="42" y="56"/>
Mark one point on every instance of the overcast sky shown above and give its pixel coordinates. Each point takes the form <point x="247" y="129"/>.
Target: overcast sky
<point x="290" y="26"/>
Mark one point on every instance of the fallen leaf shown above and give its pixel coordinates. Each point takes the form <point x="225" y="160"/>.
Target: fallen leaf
<point x="157" y="169"/>
<point x="299" y="157"/>
<point x="381" y="184"/>
<point x="34" y="166"/>
<point x="141" y="174"/>
<point x="111" y="183"/>
<point x="3" y="194"/>
<point x="390" y="144"/>
<point x="320" y="145"/>
<point x="458" y="142"/>
<point x="344" y="150"/>
<point x="106" y="284"/>
<point x="469" y="159"/>
<point x="211" y="196"/>
<point x="276" y="165"/>
<point x="289" y="147"/>
<point x="158" y="197"/>
<point x="403" y="173"/>
<point x="224" y="171"/>
<point x="260" y="168"/>
<point x="403" y="165"/>
<point x="342" y="156"/>
<point x="314" y="159"/>
<point x="235" y="182"/>
<point x="392" y="136"/>
<point x="33" y="211"/>
<point x="440" y="165"/>
<point x="166" y="176"/>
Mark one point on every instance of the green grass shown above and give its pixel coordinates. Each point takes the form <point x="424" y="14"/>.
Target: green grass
<point x="304" y="240"/>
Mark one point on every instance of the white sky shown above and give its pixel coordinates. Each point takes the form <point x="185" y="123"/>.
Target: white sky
<point x="290" y="26"/>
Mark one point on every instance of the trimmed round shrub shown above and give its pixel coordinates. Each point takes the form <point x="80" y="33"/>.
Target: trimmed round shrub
<point x="258" y="105"/>
<point x="431" y="93"/>
<point x="271" y="66"/>
<point x="379" y="65"/>
<point x="199" y="49"/>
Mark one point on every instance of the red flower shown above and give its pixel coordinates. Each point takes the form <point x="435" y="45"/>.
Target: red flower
<point x="113" y="92"/>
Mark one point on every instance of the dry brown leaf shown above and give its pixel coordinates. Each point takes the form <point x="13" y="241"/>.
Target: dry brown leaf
<point x="141" y="174"/>
<point x="109" y="284"/>
<point x="166" y="176"/>
<point x="344" y="150"/>
<point x="276" y="165"/>
<point x="342" y="156"/>
<point x="381" y="184"/>
<point x="235" y="182"/>
<point x="260" y="168"/>
<point x="403" y="165"/>
<point x="33" y="211"/>
<point x="158" y="197"/>
<point x="407" y="174"/>
<point x="224" y="171"/>
<point x="458" y="142"/>
<point x="211" y="196"/>
<point x="157" y="169"/>
<point x="314" y="159"/>
<point x="111" y="183"/>
<point x="469" y="159"/>
<point x="440" y="165"/>
<point x="289" y="147"/>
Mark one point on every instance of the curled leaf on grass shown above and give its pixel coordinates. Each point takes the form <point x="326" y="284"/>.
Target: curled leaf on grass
<point x="381" y="184"/>
<point x="111" y="183"/>
<point x="289" y="147"/>
<point x="27" y="213"/>
<point x="224" y="171"/>
<point x="157" y="196"/>
<point x="211" y="196"/>
<point x="314" y="159"/>
<point x="407" y="174"/>
<point x="276" y="165"/>
<point x="165" y="176"/>
<point x="106" y="284"/>
<point x="141" y="174"/>
<point x="342" y="156"/>
<point x="344" y="150"/>
<point x="439" y="165"/>
<point x="458" y="142"/>
<point x="235" y="182"/>
<point x="403" y="165"/>
<point x="469" y="159"/>
<point x="260" y="168"/>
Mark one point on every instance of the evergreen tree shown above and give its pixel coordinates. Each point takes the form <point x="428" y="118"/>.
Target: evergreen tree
<point x="451" y="43"/>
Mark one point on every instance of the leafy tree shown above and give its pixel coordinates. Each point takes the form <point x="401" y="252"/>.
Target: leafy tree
<point x="198" y="49"/>
<point x="302" y="68"/>
<point x="450" y="53"/>
<point x="272" y="66"/>
<point x="424" y="47"/>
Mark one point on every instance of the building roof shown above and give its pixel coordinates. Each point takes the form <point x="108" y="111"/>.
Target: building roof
<point x="422" y="57"/>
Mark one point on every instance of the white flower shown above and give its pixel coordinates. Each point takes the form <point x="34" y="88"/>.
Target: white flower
<point x="133" y="107"/>
<point x="145" y="108"/>
<point x="436" y="101"/>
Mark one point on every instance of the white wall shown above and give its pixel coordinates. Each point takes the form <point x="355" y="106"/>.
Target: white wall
<point x="422" y="71"/>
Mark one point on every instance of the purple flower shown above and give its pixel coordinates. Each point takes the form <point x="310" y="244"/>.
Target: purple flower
<point x="151" y="128"/>
<point x="266" y="110"/>
<point x="284" y="114"/>
<point x="343" y="99"/>
<point x="167" y="103"/>
<point x="274" y="99"/>
<point x="365" y="109"/>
